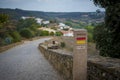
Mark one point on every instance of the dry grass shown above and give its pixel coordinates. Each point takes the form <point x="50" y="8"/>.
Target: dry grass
<point x="69" y="42"/>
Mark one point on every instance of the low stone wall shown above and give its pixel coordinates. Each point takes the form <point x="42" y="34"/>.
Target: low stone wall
<point x="61" y="62"/>
<point x="97" y="69"/>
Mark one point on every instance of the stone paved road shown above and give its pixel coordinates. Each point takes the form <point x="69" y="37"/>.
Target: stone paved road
<point x="25" y="62"/>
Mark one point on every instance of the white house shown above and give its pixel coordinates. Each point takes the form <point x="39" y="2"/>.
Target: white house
<point x="63" y="26"/>
<point x="46" y="22"/>
<point x="67" y="33"/>
<point x="47" y="29"/>
<point x="23" y="17"/>
<point x="39" y="21"/>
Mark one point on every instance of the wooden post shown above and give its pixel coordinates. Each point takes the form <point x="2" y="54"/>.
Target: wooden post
<point x="80" y="55"/>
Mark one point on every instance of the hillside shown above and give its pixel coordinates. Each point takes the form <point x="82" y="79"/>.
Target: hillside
<point x="18" y="13"/>
<point x="82" y="16"/>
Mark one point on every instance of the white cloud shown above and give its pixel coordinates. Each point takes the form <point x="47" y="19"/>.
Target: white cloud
<point x="50" y="5"/>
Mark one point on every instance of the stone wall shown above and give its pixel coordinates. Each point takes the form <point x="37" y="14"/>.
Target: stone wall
<point x="63" y="63"/>
<point x="98" y="71"/>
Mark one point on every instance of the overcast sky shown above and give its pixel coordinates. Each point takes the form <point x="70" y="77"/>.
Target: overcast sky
<point x="51" y="5"/>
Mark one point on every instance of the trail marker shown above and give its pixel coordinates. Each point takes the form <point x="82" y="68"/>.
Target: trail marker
<point x="80" y="55"/>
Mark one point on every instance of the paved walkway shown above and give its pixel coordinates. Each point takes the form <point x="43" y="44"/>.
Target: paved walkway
<point x="25" y="62"/>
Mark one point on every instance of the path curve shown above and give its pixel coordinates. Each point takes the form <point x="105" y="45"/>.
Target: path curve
<point x="25" y="62"/>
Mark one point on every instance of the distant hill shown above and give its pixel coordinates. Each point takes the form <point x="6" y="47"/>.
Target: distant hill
<point x="18" y="13"/>
<point x="83" y="16"/>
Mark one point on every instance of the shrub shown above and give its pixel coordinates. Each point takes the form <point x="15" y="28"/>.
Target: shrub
<point x="38" y="33"/>
<point x="58" y="34"/>
<point x="51" y="33"/>
<point x="90" y="33"/>
<point x="2" y="42"/>
<point x="16" y="36"/>
<point x="27" y="33"/>
<point x="106" y="43"/>
<point x="8" y="39"/>
<point x="110" y="43"/>
<point x="62" y="44"/>
<point x="44" y="33"/>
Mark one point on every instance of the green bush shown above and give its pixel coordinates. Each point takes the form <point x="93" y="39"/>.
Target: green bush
<point x="52" y="34"/>
<point x="4" y="18"/>
<point x="2" y="42"/>
<point x="38" y="33"/>
<point x="8" y="39"/>
<point x="44" y="33"/>
<point x="27" y="23"/>
<point x="90" y="30"/>
<point x="16" y="36"/>
<point x="27" y="33"/>
<point x="90" y="37"/>
<point x="109" y="45"/>
<point x="58" y="34"/>
<point x="105" y="42"/>
<point x="62" y="44"/>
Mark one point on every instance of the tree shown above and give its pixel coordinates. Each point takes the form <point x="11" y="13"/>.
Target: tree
<point x="3" y="18"/>
<point x="16" y="36"/>
<point x="8" y="33"/>
<point x="6" y="27"/>
<point x="8" y="39"/>
<point x="98" y="11"/>
<point x="112" y="28"/>
<point x="58" y="34"/>
<point x="62" y="44"/>
<point x="53" y="21"/>
<point x="39" y="33"/>
<point x="27" y="33"/>
<point x="90" y="33"/>
<point x="44" y="33"/>
<point x="27" y="23"/>
<point x="51" y="33"/>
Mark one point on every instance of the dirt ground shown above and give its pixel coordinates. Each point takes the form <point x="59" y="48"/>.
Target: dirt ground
<point x="69" y="44"/>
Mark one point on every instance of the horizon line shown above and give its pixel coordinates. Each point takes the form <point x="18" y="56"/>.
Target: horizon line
<point x="51" y="11"/>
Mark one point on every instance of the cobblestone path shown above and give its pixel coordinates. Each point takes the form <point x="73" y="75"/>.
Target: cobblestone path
<point x="25" y="62"/>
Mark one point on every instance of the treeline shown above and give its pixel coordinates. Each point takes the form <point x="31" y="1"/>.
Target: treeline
<point x="77" y="25"/>
<point x="17" y="13"/>
<point x="14" y="31"/>
<point x="76" y="15"/>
